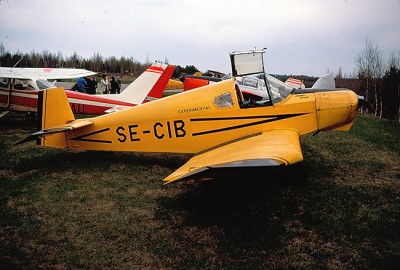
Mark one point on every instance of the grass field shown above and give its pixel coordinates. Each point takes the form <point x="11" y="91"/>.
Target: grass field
<point x="105" y="210"/>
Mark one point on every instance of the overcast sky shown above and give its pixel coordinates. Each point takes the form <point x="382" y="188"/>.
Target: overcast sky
<point x="306" y="37"/>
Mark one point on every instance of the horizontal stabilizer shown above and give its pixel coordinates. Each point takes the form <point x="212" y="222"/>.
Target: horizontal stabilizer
<point x="58" y="129"/>
<point x="271" y="148"/>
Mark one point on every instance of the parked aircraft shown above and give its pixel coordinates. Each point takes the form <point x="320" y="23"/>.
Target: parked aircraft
<point x="19" y="88"/>
<point x="214" y="122"/>
<point x="252" y="87"/>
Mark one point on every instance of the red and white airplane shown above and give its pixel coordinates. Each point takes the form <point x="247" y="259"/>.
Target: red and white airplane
<point x="252" y="88"/>
<point x="19" y="89"/>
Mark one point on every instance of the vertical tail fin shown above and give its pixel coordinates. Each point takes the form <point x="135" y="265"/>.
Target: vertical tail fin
<point x="55" y="119"/>
<point x="151" y="83"/>
<point x="326" y="81"/>
<point x="53" y="109"/>
<point x="158" y="89"/>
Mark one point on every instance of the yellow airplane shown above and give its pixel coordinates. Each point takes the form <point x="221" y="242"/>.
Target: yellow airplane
<point x="213" y="122"/>
<point x="174" y="84"/>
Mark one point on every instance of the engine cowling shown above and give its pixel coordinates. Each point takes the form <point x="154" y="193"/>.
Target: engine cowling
<point x="336" y="109"/>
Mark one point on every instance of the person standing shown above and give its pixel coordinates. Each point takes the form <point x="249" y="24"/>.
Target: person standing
<point x="92" y="85"/>
<point x="119" y="84"/>
<point x="114" y="86"/>
<point x="103" y="86"/>
<point x="81" y="85"/>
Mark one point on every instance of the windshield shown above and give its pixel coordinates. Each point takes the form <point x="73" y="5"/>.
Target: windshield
<point x="4" y="82"/>
<point x="44" y="84"/>
<point x="278" y="88"/>
<point x="256" y="84"/>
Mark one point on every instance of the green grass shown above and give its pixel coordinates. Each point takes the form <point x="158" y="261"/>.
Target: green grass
<point x="105" y="210"/>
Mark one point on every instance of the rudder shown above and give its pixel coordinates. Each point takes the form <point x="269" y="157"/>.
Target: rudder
<point x="158" y="89"/>
<point x="53" y="110"/>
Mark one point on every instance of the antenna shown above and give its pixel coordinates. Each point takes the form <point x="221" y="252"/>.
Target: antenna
<point x="17" y="63"/>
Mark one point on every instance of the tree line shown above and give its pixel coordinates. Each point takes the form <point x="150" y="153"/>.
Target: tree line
<point x="375" y="78"/>
<point x="96" y="63"/>
<point x="379" y="80"/>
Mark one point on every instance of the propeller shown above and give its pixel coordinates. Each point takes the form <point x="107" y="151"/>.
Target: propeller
<point x="362" y="102"/>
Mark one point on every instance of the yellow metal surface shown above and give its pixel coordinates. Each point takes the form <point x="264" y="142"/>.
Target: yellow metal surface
<point x="174" y="84"/>
<point x="275" y="147"/>
<point x="56" y="111"/>
<point x="189" y="122"/>
<point x="335" y="109"/>
<point x="201" y="119"/>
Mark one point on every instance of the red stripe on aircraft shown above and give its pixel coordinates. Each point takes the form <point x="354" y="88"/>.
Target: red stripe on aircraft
<point x="294" y="81"/>
<point x="27" y="102"/>
<point x="155" y="69"/>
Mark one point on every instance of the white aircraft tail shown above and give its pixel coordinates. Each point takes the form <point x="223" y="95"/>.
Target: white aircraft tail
<point x="325" y="82"/>
<point x="150" y="85"/>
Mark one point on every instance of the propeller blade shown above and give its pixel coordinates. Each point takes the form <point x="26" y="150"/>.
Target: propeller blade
<point x="365" y="104"/>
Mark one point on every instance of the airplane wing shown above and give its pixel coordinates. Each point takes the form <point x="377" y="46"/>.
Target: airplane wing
<point x="279" y="147"/>
<point x="44" y="73"/>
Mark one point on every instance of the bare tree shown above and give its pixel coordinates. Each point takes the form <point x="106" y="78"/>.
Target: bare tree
<point x="59" y="60"/>
<point x="97" y="62"/>
<point x="394" y="60"/>
<point x="148" y="61"/>
<point x="113" y="64"/>
<point x="370" y="71"/>
<point x="73" y="61"/>
<point x="339" y="74"/>
<point x="391" y="88"/>
<point x="2" y="49"/>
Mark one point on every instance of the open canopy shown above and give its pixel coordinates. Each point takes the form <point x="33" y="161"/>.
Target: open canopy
<point x="247" y="62"/>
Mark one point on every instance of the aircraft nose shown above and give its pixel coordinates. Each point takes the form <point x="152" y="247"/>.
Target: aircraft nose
<point x="336" y="109"/>
<point x="353" y="105"/>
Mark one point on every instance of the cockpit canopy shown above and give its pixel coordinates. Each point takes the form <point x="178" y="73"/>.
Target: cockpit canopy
<point x="247" y="62"/>
<point x="248" y="70"/>
<point x="32" y="85"/>
<point x="44" y="84"/>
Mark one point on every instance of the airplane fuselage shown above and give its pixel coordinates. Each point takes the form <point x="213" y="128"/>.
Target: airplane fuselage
<point x="207" y="117"/>
<point x="20" y="93"/>
<point x="25" y="100"/>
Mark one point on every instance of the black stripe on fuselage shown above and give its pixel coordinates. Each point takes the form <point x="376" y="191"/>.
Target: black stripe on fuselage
<point x="312" y="90"/>
<point x="231" y="118"/>
<point x="267" y="118"/>
<point x="83" y="137"/>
